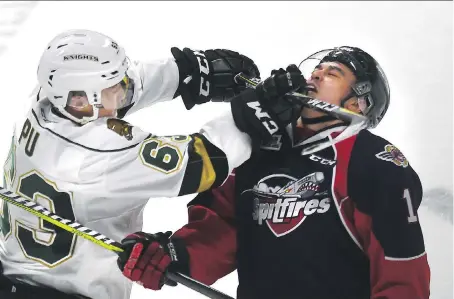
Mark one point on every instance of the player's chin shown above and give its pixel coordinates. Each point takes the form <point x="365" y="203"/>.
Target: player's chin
<point x="311" y="93"/>
<point x="107" y="112"/>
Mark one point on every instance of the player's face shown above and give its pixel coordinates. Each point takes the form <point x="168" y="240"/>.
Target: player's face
<point x="114" y="97"/>
<point x="331" y="82"/>
<point x="79" y="107"/>
<point x="87" y="111"/>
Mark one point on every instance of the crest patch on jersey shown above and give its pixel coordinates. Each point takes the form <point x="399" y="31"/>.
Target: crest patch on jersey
<point x="393" y="154"/>
<point x="120" y="127"/>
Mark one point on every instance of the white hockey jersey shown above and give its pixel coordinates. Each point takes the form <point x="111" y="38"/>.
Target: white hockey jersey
<point x="101" y="175"/>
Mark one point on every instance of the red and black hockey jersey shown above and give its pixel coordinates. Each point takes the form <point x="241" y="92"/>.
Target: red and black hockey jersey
<point x="339" y="223"/>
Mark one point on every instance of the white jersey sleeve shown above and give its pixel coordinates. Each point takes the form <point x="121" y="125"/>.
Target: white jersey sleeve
<point x="101" y="175"/>
<point x="179" y="165"/>
<point x="155" y="81"/>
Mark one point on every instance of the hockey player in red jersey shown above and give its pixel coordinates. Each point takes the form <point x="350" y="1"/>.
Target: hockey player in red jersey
<point x="325" y="210"/>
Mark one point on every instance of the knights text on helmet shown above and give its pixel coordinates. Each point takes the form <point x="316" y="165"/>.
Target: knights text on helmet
<point x="80" y="57"/>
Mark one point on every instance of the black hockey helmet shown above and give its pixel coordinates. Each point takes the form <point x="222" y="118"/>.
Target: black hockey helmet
<point x="371" y="87"/>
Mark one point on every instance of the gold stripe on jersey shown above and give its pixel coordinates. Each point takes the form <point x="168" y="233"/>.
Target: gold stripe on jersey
<point x="208" y="175"/>
<point x="207" y="166"/>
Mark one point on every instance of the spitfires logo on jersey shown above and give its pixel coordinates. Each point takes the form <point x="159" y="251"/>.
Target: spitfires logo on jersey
<point x="393" y="154"/>
<point x="283" y="202"/>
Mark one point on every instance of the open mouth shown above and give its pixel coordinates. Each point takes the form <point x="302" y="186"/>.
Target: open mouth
<point x="311" y="87"/>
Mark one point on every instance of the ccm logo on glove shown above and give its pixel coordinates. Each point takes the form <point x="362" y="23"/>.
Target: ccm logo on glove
<point x="204" y="72"/>
<point x="264" y="117"/>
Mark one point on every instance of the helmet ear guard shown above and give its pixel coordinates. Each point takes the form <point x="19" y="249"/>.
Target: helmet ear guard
<point x="362" y="88"/>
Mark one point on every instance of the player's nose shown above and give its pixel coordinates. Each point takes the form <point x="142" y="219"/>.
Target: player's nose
<point x="316" y="75"/>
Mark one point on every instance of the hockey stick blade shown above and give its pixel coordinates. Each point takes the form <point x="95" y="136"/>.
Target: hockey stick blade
<point x="99" y="239"/>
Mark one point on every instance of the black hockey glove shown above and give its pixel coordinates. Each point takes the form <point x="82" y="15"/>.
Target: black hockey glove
<point x="147" y="257"/>
<point x="212" y="74"/>
<point x="260" y="112"/>
<point x="279" y="83"/>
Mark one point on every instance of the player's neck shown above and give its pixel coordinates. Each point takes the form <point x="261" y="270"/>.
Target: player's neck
<point x="312" y="114"/>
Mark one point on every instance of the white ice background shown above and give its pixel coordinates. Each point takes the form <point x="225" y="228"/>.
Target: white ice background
<point x="411" y="40"/>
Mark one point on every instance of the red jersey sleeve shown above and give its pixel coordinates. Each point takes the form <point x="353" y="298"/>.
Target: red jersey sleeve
<point x="387" y="195"/>
<point x="210" y="235"/>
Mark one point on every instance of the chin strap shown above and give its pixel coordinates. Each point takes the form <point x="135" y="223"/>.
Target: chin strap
<point x="347" y="97"/>
<point x="80" y="121"/>
<point x="316" y="120"/>
<point x="349" y="131"/>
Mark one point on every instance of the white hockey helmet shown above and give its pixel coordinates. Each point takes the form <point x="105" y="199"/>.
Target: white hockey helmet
<point x="87" y="65"/>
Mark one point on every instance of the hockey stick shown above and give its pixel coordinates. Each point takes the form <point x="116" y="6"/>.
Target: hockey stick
<point x="336" y="111"/>
<point x="99" y="239"/>
<point x="356" y="121"/>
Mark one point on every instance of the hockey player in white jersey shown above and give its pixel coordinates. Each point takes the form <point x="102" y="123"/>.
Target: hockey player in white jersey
<point x="75" y="156"/>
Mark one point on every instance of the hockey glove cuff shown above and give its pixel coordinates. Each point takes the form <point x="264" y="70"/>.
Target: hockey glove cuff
<point x="147" y="257"/>
<point x="252" y="118"/>
<point x="209" y="75"/>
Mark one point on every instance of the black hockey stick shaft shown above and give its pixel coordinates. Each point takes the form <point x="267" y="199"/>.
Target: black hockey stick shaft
<point x="197" y="286"/>
<point x="99" y="239"/>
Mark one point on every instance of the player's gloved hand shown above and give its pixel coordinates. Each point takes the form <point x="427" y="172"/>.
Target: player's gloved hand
<point x="279" y="83"/>
<point x="260" y="112"/>
<point x="212" y="74"/>
<point x="273" y="91"/>
<point x="147" y="257"/>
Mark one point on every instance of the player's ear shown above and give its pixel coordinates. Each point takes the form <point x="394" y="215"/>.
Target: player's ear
<point x="353" y="105"/>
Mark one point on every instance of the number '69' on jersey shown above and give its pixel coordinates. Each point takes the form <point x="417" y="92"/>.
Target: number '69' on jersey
<point x="101" y="175"/>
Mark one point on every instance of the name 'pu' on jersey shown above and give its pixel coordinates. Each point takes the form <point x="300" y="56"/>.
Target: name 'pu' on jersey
<point x="101" y="174"/>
